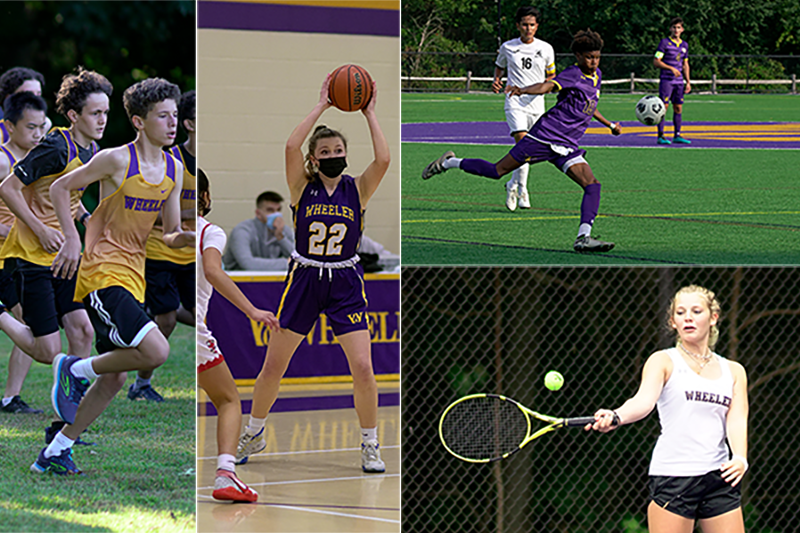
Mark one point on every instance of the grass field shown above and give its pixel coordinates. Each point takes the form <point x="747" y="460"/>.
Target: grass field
<point x="699" y="206"/>
<point x="140" y="475"/>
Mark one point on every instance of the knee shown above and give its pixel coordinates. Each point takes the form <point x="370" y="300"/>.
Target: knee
<point x="156" y="352"/>
<point x="167" y="322"/>
<point x="80" y="332"/>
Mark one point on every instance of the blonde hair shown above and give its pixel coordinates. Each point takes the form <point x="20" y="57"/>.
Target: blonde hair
<point x="321" y="132"/>
<point x="711" y="302"/>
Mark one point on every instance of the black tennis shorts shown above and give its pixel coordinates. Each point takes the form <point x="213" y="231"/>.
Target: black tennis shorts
<point x="695" y="497"/>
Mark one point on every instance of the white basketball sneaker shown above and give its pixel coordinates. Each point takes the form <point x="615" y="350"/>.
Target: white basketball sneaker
<point x="248" y="445"/>
<point x="371" y="457"/>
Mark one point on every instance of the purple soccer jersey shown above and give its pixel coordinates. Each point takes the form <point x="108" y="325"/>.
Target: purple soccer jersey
<point x="565" y="123"/>
<point x="673" y="54"/>
<point x="328" y="228"/>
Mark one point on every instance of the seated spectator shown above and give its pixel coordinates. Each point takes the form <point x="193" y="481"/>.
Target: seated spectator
<point x="262" y="243"/>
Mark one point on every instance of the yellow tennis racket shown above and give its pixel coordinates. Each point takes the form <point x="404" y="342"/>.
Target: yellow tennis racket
<point x="481" y="428"/>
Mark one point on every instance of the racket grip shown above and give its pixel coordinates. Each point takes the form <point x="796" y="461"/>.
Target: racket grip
<point x="579" y="422"/>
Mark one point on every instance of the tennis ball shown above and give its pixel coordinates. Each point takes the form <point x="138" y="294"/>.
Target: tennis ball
<point x="553" y="380"/>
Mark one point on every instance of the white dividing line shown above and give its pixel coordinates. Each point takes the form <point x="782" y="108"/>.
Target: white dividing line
<point x="332" y="513"/>
<point x="300" y="453"/>
<point x="322" y="480"/>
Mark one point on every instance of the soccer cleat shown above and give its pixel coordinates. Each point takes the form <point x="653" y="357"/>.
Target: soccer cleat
<point x="585" y="243"/>
<point x="524" y="199"/>
<point x="680" y="140"/>
<point x="58" y="464"/>
<point x="663" y="140"/>
<point x="18" y="405"/>
<point x="249" y="445"/>
<point x="436" y="167"/>
<point x="68" y="389"/>
<point x="511" y="194"/>
<point x="228" y="487"/>
<point x="147" y="393"/>
<point x="371" y="457"/>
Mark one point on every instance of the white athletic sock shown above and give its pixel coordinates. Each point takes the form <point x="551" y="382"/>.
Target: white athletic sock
<point x="84" y="369"/>
<point x="7" y="401"/>
<point x="585" y="229"/>
<point x="521" y="175"/>
<point x="453" y="162"/>
<point x="59" y="443"/>
<point x="368" y="434"/>
<point x="141" y="383"/>
<point x="255" y="425"/>
<point x="226" y="461"/>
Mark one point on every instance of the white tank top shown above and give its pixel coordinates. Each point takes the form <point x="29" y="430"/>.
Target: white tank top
<point x="692" y="411"/>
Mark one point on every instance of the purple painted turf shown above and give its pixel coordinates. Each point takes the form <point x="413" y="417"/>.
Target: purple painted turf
<point x="497" y="133"/>
<point x="309" y="403"/>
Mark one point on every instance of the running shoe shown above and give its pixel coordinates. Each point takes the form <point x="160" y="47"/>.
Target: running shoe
<point x="511" y="194"/>
<point x="524" y="199"/>
<point x="17" y="405"/>
<point x="436" y="167"/>
<point x="585" y="243"/>
<point x="58" y="464"/>
<point x="228" y="487"/>
<point x="249" y="445"/>
<point x="147" y="393"/>
<point x="663" y="140"/>
<point x="68" y="389"/>
<point x="680" y="140"/>
<point x="371" y="457"/>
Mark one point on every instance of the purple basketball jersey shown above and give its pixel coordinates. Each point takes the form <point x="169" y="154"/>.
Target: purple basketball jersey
<point x="328" y="228"/>
<point x="565" y="123"/>
<point x="673" y="54"/>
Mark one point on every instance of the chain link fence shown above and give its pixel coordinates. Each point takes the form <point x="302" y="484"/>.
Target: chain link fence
<point x="469" y="330"/>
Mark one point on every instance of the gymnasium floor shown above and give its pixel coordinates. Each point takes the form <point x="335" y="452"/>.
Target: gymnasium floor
<point x="309" y="477"/>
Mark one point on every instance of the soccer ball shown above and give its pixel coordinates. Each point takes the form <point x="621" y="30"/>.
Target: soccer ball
<point x="650" y="110"/>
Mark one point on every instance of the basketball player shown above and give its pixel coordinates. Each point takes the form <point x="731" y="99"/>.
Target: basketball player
<point x="137" y="181"/>
<point x="672" y="58"/>
<point x="36" y="234"/>
<point x="17" y="80"/>
<point x="702" y="404"/>
<point x="169" y="272"/>
<point x="213" y="374"/>
<point x="25" y="115"/>
<point x="324" y="273"/>
<point x="528" y="60"/>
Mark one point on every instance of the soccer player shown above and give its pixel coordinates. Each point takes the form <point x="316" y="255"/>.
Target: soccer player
<point x="555" y="136"/>
<point x="17" y="80"/>
<point x="25" y="118"/>
<point x="324" y="274"/>
<point x="169" y="272"/>
<point x="137" y="181"/>
<point x="36" y="234"/>
<point x="672" y="57"/>
<point x="213" y="374"/>
<point x="528" y="60"/>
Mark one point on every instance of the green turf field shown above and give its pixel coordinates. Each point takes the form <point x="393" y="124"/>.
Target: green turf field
<point x="140" y="475"/>
<point x="709" y="206"/>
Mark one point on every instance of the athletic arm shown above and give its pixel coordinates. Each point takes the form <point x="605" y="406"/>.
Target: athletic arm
<point x="736" y="426"/>
<point x="497" y="84"/>
<point x="686" y="77"/>
<point x="658" y="63"/>
<point x="537" y="88"/>
<point x="174" y="236"/>
<point x="295" y="161"/>
<point x="11" y="192"/>
<point x="212" y="267"/>
<point x="369" y="180"/>
<point x="616" y="129"/>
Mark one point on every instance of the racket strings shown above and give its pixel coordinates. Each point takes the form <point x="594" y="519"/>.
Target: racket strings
<point x="484" y="428"/>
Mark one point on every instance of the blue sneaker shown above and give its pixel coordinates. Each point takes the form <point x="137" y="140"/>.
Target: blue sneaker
<point x="58" y="464"/>
<point x="68" y="390"/>
<point x="663" y="140"/>
<point x="680" y="140"/>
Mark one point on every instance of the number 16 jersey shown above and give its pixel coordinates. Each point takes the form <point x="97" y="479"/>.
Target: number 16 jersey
<point x="328" y="227"/>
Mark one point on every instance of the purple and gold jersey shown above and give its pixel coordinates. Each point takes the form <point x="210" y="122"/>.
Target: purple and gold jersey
<point x="328" y="228"/>
<point x="3" y="132"/>
<point x="673" y="53"/>
<point x="565" y="123"/>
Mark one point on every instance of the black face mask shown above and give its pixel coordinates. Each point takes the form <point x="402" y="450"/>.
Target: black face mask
<point x="333" y="166"/>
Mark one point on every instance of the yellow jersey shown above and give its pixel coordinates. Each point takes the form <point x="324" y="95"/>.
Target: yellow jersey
<point x="6" y="216"/>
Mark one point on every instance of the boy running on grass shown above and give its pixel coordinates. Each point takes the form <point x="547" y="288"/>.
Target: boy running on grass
<point x="137" y="181"/>
<point x="555" y="136"/>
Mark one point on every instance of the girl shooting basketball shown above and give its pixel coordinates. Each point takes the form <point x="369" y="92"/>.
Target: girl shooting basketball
<point x="324" y="273"/>
<point x="700" y="457"/>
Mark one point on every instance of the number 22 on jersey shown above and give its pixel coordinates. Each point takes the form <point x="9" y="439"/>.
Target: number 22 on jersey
<point x="319" y="233"/>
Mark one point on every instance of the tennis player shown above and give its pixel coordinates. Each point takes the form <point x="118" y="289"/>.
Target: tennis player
<point x="701" y="454"/>
<point x="213" y="374"/>
<point x="324" y="272"/>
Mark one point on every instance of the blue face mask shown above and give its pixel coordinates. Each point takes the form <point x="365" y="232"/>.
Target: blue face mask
<point x="271" y="220"/>
<point x="332" y="166"/>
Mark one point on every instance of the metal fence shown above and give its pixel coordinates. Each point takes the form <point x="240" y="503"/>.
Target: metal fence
<point x="462" y="72"/>
<point x="468" y="330"/>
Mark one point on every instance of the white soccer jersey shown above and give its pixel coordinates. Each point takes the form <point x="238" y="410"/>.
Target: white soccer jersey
<point x="526" y="64"/>
<point x="211" y="236"/>
<point x="693" y="412"/>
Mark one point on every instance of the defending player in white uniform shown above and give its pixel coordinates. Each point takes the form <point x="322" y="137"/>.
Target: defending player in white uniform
<point x="528" y="61"/>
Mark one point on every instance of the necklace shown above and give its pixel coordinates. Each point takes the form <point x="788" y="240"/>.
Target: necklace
<point x="702" y="360"/>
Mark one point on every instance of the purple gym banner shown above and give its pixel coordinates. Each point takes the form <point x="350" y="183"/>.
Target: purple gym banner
<point x="244" y="343"/>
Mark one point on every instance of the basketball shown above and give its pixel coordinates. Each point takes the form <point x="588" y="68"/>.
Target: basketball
<point x="350" y="88"/>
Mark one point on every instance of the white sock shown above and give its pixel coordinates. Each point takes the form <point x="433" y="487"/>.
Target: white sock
<point x="141" y="383"/>
<point x="226" y="461"/>
<point x="59" y="443"/>
<point x="255" y="425"/>
<point x="7" y="401"/>
<point x="521" y="175"/>
<point x="585" y="229"/>
<point x="84" y="369"/>
<point x="369" y="434"/>
<point x="453" y="162"/>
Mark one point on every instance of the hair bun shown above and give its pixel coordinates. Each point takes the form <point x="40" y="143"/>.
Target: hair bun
<point x="320" y="128"/>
